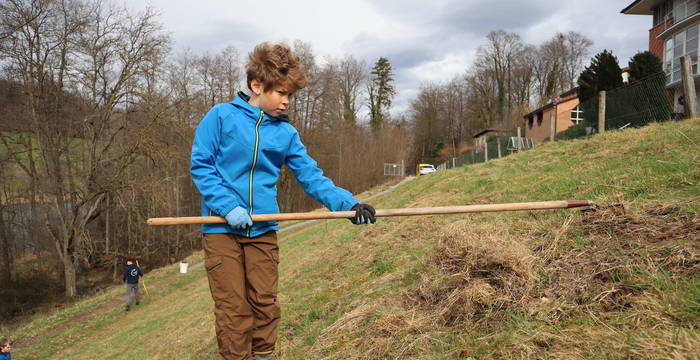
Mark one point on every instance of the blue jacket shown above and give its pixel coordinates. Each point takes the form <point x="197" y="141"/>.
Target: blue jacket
<point x="5" y="356"/>
<point x="237" y="155"/>
<point x="131" y="274"/>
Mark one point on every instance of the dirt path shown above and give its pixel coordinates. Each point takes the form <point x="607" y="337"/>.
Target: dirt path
<point x="118" y="302"/>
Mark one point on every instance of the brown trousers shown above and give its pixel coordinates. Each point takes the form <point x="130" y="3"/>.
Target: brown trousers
<point x="243" y="278"/>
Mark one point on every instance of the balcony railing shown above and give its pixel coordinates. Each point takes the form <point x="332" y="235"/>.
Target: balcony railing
<point x="681" y="16"/>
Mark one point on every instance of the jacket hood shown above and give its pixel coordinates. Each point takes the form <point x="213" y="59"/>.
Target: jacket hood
<point x="241" y="102"/>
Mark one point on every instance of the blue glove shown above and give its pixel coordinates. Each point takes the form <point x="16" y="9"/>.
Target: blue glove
<point x="238" y="218"/>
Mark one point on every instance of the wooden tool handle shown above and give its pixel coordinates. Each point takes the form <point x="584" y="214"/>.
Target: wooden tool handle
<point x="544" y="205"/>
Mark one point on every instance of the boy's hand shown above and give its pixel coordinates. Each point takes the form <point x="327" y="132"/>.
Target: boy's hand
<point x="364" y="214"/>
<point x="238" y="218"/>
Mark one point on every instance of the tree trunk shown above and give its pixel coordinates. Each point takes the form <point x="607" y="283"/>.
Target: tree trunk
<point x="69" y="275"/>
<point x="6" y="254"/>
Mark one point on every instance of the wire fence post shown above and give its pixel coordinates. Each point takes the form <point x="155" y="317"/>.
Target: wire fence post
<point x="486" y="150"/>
<point x="553" y="124"/>
<point x="498" y="144"/>
<point x="689" y="96"/>
<point x="601" y="112"/>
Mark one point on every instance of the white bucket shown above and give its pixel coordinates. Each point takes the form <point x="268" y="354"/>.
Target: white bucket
<point x="183" y="267"/>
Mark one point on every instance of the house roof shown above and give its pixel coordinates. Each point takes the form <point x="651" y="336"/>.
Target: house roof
<point x="486" y="131"/>
<point x="563" y="96"/>
<point x="641" y="7"/>
<point x="571" y="91"/>
<point x="540" y="109"/>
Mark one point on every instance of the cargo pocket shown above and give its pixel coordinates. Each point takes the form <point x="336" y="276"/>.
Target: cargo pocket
<point x="220" y="289"/>
<point x="212" y="262"/>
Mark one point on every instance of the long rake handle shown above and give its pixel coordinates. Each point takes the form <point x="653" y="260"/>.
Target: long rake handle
<point x="143" y="282"/>
<point x="543" y="205"/>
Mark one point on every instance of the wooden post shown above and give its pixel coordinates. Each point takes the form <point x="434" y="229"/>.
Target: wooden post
<point x="553" y="124"/>
<point x="689" y="96"/>
<point x="601" y="111"/>
<point x="518" y="144"/>
<point x="486" y="149"/>
<point x="498" y="144"/>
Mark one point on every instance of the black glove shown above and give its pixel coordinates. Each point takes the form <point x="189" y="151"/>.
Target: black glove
<point x="364" y="214"/>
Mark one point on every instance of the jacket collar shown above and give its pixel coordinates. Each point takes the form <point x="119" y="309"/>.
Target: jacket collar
<point x="241" y="102"/>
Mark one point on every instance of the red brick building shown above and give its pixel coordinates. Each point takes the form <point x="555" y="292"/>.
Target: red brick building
<point x="544" y="123"/>
<point x="675" y="32"/>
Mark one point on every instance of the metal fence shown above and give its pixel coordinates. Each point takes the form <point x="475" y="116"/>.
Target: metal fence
<point x="496" y="147"/>
<point x="632" y="105"/>
<point x="394" y="169"/>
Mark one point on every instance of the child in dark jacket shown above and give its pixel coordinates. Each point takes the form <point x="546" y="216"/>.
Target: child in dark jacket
<point x="5" y="348"/>
<point x="237" y="154"/>
<point x="131" y="278"/>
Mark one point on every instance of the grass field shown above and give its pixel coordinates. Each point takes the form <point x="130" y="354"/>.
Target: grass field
<point x="548" y="284"/>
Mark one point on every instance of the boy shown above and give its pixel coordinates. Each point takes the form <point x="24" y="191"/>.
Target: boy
<point x="5" y="348"/>
<point x="131" y="277"/>
<point x="238" y="150"/>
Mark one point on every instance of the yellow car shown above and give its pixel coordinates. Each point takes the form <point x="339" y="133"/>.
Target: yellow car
<point x="424" y="169"/>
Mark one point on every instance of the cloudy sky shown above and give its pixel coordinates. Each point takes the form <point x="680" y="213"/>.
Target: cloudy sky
<point x="432" y="40"/>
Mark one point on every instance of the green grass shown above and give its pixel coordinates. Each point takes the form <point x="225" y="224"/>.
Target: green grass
<point x="347" y="292"/>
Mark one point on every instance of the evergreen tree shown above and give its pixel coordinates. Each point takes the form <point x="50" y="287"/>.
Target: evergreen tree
<point x="644" y="64"/>
<point x="381" y="91"/>
<point x="604" y="73"/>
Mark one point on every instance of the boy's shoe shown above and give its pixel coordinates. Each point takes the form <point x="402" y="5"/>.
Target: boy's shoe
<point x="126" y="308"/>
<point x="263" y="356"/>
<point x="137" y="303"/>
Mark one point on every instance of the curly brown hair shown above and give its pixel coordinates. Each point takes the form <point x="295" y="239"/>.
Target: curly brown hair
<point x="275" y="65"/>
<point x="5" y="341"/>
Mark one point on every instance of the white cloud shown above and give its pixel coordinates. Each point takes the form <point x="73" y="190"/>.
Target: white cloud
<point x="425" y="41"/>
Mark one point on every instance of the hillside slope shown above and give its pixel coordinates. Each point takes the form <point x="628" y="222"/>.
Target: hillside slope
<point x="548" y="284"/>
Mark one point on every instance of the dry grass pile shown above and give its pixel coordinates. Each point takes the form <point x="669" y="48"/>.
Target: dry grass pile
<point x="618" y="247"/>
<point x="656" y="224"/>
<point x="473" y="268"/>
<point x="375" y="332"/>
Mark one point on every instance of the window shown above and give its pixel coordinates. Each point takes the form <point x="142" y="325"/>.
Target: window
<point x="530" y="122"/>
<point x="681" y="44"/>
<point x="684" y="9"/>
<point x="539" y="118"/>
<point x="663" y="13"/>
<point x="577" y="115"/>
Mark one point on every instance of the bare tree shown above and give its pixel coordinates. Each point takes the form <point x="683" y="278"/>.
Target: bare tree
<point x="557" y="64"/>
<point x="220" y="76"/>
<point x="351" y="74"/>
<point x="6" y="215"/>
<point x="7" y="28"/>
<point x="81" y="65"/>
<point x="578" y="48"/>
<point x="499" y="58"/>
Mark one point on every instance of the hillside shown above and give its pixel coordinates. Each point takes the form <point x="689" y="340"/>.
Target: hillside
<point x="549" y="284"/>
